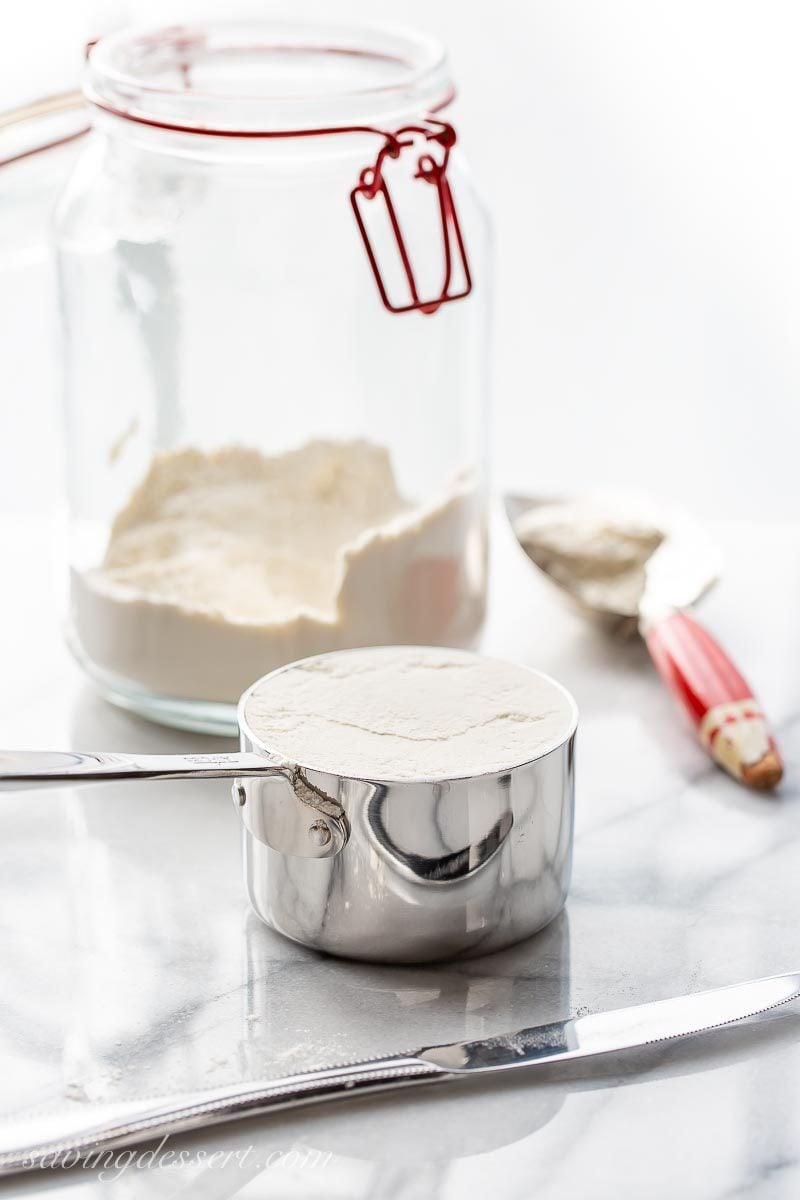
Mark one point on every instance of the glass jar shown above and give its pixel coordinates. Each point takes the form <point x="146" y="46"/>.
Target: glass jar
<point x="274" y="287"/>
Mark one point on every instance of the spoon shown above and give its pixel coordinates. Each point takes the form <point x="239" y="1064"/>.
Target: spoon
<point x="641" y="570"/>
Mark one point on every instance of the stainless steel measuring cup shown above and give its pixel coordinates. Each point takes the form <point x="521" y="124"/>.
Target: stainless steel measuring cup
<point x="390" y="871"/>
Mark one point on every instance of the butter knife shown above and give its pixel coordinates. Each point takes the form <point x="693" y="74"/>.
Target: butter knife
<point x="69" y="1138"/>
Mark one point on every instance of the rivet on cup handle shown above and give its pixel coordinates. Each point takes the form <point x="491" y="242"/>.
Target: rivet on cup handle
<point x="729" y="721"/>
<point x="278" y="804"/>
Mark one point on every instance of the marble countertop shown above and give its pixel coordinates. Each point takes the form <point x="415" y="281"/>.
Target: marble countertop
<point x="130" y="964"/>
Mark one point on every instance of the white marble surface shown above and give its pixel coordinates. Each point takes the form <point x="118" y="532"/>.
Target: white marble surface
<point x="129" y="964"/>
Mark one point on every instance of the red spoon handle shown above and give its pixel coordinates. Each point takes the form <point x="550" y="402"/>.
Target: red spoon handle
<point x="720" y="702"/>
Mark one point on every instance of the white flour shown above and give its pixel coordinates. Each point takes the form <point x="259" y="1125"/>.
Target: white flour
<point x="409" y="712"/>
<point x="223" y="566"/>
<point x="595" y="550"/>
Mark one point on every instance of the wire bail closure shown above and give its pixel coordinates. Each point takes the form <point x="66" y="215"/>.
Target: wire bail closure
<point x="372" y="186"/>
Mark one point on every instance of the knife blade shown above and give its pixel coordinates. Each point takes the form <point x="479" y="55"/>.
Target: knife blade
<point x="77" y="1137"/>
<point x="618" y="1029"/>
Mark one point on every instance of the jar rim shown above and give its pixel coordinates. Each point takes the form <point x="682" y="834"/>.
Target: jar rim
<point x="262" y="78"/>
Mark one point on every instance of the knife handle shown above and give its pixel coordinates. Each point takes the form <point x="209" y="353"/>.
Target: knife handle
<point x="81" y="1135"/>
<point x="717" y="698"/>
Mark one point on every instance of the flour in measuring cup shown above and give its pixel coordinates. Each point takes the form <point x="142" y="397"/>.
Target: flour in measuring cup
<point x="225" y="565"/>
<point x="409" y="712"/>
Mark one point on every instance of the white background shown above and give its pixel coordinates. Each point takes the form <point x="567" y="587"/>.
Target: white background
<point x="640" y="161"/>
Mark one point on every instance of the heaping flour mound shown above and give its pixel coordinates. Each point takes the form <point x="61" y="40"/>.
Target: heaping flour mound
<point x="223" y="566"/>
<point x="409" y="713"/>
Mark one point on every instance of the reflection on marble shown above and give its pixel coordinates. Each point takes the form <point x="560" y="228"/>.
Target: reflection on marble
<point x="131" y="966"/>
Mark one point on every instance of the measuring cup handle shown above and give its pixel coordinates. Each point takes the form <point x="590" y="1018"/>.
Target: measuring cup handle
<point x="719" y="701"/>
<point x="21" y="769"/>
<point x="277" y="804"/>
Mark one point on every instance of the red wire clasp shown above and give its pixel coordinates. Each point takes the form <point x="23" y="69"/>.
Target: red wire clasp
<point x="372" y="186"/>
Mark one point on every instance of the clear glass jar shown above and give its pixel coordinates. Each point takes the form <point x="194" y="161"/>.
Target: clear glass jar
<point x="274" y="286"/>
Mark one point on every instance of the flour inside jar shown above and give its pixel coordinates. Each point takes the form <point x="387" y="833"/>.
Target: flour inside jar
<point x="225" y="565"/>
